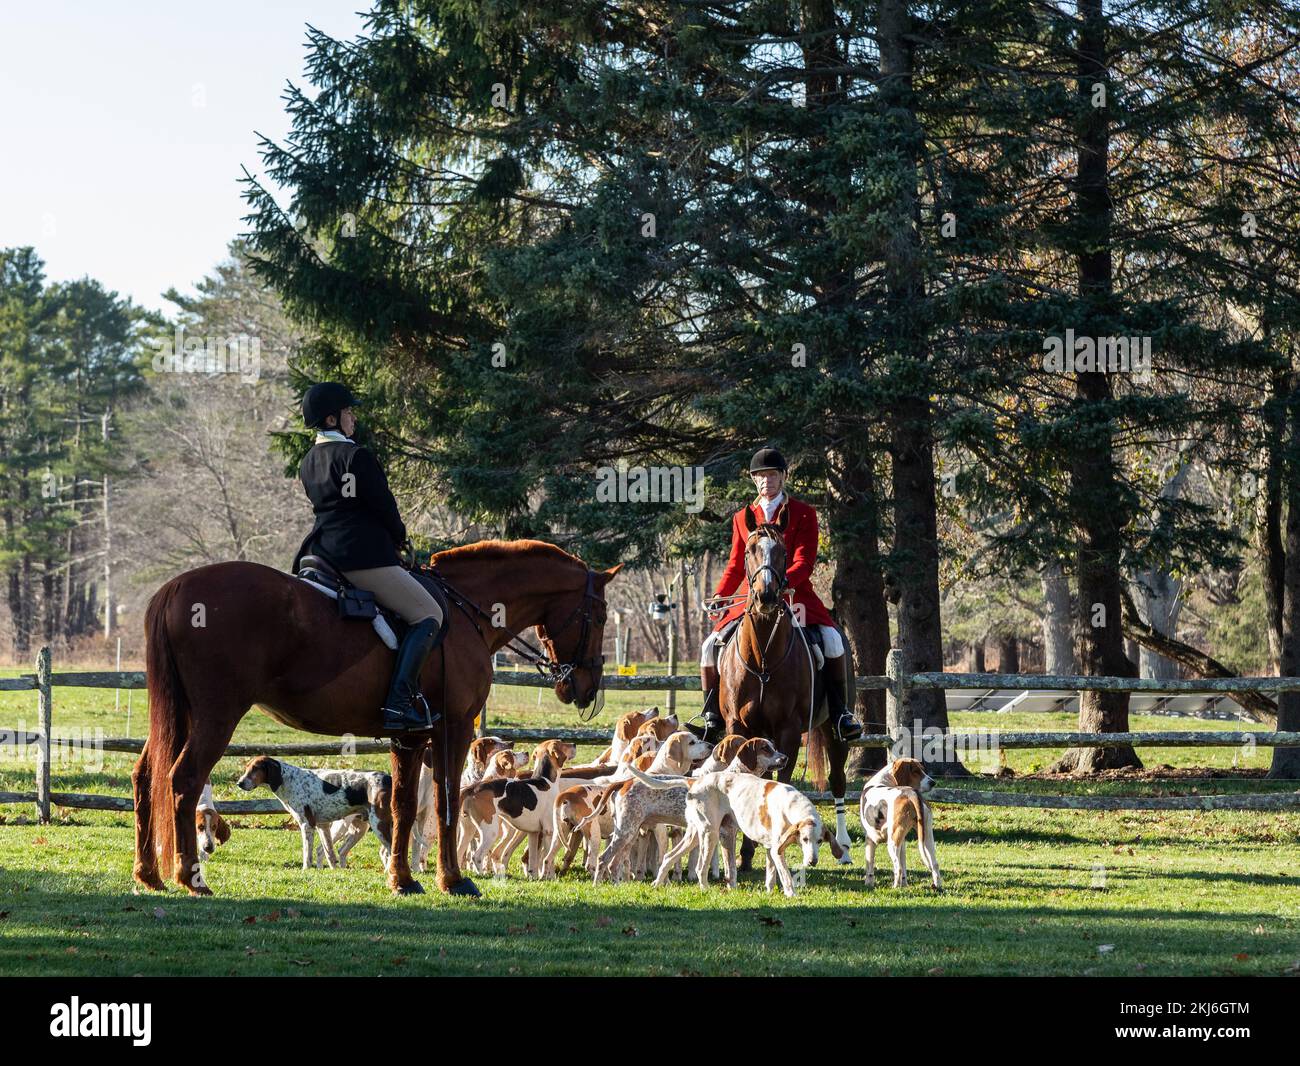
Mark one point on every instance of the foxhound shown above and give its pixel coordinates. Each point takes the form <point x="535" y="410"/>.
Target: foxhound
<point x="317" y="798"/>
<point x="771" y="813"/>
<point x="890" y="806"/>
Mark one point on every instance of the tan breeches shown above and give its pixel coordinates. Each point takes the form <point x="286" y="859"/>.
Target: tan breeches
<point x="397" y="590"/>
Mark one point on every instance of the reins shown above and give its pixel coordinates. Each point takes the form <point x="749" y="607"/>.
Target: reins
<point x="551" y="669"/>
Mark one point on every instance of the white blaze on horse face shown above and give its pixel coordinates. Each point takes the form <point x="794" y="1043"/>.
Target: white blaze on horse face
<point x="767" y="546"/>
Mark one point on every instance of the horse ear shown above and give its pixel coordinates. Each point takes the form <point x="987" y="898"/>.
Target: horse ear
<point x="749" y="519"/>
<point x="782" y="516"/>
<point x="606" y="576"/>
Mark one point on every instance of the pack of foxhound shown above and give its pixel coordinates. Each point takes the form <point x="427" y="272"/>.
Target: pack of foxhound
<point x="658" y="804"/>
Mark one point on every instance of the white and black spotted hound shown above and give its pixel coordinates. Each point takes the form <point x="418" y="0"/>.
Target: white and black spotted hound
<point x="317" y="798"/>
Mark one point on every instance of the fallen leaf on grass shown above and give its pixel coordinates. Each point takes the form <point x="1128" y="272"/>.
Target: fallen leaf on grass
<point x="603" y="921"/>
<point x="629" y="930"/>
<point x="1103" y="949"/>
<point x="936" y="972"/>
<point x="250" y="919"/>
<point x="301" y="962"/>
<point x="1241" y="956"/>
<point x="158" y="912"/>
<point x="767" y="919"/>
<point x="399" y="960"/>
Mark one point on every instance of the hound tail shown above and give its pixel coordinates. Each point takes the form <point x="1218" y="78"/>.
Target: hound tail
<point x="663" y="784"/>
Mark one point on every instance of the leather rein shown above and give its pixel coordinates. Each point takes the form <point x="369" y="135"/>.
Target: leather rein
<point x="554" y="671"/>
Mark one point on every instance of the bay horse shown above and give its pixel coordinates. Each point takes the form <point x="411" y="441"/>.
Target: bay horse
<point x="766" y="678"/>
<point x="226" y="637"/>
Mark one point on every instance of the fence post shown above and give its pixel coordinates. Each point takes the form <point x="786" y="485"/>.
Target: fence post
<point x="895" y="695"/>
<point x="46" y="701"/>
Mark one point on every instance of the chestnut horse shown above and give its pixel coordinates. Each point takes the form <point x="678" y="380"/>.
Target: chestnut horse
<point x="226" y="637"/>
<point x="765" y="675"/>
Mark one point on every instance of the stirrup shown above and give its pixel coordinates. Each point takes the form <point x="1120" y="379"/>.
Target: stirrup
<point x="407" y="719"/>
<point x="854" y="727"/>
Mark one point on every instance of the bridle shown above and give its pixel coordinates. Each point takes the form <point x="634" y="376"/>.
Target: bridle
<point x="552" y="670"/>
<point x="764" y="672"/>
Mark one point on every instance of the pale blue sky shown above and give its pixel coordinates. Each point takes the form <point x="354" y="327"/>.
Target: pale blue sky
<point x="123" y="127"/>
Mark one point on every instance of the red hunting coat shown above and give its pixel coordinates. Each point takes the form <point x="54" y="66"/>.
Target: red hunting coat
<point x="801" y="557"/>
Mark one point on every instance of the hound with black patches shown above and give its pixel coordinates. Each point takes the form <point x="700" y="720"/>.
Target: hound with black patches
<point x="318" y="798"/>
<point x="523" y="804"/>
<point x="771" y="813"/>
<point x="890" y="806"/>
<point x="482" y="755"/>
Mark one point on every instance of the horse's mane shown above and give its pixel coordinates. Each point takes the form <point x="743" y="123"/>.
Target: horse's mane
<point x="500" y="550"/>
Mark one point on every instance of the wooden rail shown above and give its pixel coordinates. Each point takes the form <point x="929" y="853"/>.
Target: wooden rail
<point x="894" y="682"/>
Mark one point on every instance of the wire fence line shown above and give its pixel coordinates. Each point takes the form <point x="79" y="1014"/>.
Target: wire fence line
<point x="895" y="683"/>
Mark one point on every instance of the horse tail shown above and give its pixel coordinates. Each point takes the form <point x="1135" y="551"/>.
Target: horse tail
<point x="169" y="715"/>
<point x="817" y="755"/>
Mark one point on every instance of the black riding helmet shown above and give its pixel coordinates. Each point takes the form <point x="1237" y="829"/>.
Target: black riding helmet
<point x="767" y="459"/>
<point x="323" y="399"/>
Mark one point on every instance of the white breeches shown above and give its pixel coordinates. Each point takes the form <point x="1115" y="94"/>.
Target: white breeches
<point x="832" y="646"/>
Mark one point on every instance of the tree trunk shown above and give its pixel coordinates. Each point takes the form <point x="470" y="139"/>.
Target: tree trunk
<point x="108" y="549"/>
<point x="1095" y="502"/>
<point x="915" y="561"/>
<point x="1268" y="511"/>
<point x="858" y="596"/>
<point x="977" y="657"/>
<point x="1008" y="654"/>
<point x="1286" y="761"/>
<point x="1058" y="640"/>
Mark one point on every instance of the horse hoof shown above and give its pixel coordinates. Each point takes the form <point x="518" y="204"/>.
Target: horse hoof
<point x="411" y="888"/>
<point x="199" y="890"/>
<point x="464" y="887"/>
<point x="845" y="860"/>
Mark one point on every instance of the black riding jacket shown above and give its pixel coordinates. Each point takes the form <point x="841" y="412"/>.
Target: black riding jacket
<point x="357" y="523"/>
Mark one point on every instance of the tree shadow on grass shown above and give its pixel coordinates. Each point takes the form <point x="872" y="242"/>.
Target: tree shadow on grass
<point x="63" y="925"/>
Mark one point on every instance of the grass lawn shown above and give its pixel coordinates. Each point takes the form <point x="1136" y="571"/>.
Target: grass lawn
<point x="1027" y="892"/>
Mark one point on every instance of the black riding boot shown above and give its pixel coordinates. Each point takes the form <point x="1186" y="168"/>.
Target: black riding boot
<point x="406" y="709"/>
<point x="846" y="726"/>
<point x="714" y="727"/>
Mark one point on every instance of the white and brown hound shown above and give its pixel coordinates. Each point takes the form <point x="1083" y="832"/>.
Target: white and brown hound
<point x="891" y="804"/>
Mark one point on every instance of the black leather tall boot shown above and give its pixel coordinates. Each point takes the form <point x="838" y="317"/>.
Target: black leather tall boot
<point x="843" y="721"/>
<point x="712" y="728"/>
<point x="406" y="709"/>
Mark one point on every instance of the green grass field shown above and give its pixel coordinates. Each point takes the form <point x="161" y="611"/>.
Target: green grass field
<point x="1027" y="892"/>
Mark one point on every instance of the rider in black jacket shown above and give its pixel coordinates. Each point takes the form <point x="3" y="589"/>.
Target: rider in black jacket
<point x="359" y="530"/>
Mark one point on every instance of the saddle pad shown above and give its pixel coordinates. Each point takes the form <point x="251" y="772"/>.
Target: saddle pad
<point x="380" y="623"/>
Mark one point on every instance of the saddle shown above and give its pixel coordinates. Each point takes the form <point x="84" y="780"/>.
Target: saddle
<point x="814" y="636"/>
<point x="356" y="603"/>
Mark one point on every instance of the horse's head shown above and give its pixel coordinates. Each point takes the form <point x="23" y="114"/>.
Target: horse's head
<point x="573" y="634"/>
<point x="765" y="560"/>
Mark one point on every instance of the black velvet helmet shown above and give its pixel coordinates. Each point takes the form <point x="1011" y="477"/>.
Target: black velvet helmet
<point x="767" y="459"/>
<point x="324" y="399"/>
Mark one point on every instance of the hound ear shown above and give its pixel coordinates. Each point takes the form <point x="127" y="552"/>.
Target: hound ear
<point x="749" y="518"/>
<point x="223" y="830"/>
<point x="782" y="517"/>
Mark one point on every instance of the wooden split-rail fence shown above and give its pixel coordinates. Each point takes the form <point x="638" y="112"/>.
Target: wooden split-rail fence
<point x="895" y="683"/>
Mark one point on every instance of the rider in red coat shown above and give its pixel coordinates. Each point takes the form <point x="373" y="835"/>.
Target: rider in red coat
<point x="768" y="469"/>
